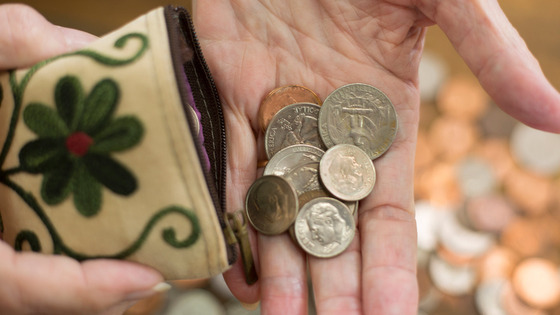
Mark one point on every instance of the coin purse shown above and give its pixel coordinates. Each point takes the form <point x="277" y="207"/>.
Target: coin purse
<point x="118" y="151"/>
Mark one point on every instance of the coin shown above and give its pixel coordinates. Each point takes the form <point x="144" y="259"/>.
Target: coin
<point x="462" y="241"/>
<point x="361" y="115"/>
<point x="428" y="222"/>
<point x="463" y="98"/>
<point x="450" y="279"/>
<point x="451" y="139"/>
<point x="271" y="205"/>
<point x="514" y="306"/>
<point x="536" y="281"/>
<point x="324" y="227"/>
<point x="536" y="150"/>
<point x="293" y="124"/>
<point x="313" y="194"/>
<point x="488" y="297"/>
<point x="299" y="165"/>
<point x="532" y="192"/>
<point x="490" y="213"/>
<point x="476" y="177"/>
<point x="497" y="263"/>
<point x="282" y="97"/>
<point x="347" y="172"/>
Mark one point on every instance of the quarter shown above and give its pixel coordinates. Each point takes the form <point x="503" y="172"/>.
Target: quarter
<point x="361" y="115"/>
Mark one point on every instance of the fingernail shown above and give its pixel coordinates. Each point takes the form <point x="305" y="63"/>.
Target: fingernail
<point x="158" y="288"/>
<point x="250" y="307"/>
<point x="161" y="287"/>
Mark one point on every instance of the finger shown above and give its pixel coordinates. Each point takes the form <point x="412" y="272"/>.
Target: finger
<point x="386" y="220"/>
<point x="499" y="57"/>
<point x="26" y="37"/>
<point x="337" y="281"/>
<point x="34" y="283"/>
<point x="283" y="279"/>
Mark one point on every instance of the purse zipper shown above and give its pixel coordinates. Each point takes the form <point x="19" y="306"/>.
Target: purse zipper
<point x="236" y="233"/>
<point x="234" y="229"/>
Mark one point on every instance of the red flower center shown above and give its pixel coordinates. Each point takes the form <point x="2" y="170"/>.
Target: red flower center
<point x="78" y="143"/>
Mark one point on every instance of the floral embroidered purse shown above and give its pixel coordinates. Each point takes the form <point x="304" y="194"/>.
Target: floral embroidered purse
<point x="119" y="151"/>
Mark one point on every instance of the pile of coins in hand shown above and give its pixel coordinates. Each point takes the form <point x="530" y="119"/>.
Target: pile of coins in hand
<point x="320" y="163"/>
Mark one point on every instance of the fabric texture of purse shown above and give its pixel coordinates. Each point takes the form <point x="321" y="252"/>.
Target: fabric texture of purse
<point x="118" y="151"/>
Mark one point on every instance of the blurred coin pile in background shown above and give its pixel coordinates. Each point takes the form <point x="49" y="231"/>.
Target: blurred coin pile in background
<point x="487" y="192"/>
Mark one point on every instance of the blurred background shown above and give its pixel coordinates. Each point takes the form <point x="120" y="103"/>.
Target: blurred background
<point x="487" y="187"/>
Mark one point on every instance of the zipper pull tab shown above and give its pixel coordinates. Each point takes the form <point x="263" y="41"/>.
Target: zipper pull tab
<point x="236" y="233"/>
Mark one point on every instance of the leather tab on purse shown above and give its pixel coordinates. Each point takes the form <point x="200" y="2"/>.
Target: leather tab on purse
<point x="118" y="151"/>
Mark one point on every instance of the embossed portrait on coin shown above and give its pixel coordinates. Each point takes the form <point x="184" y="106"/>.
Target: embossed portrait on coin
<point x="270" y="202"/>
<point x="346" y="173"/>
<point x="326" y="225"/>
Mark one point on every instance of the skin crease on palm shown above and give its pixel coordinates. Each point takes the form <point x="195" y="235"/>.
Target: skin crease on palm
<point x="252" y="47"/>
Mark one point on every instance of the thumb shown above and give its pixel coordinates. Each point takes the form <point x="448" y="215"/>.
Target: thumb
<point x="26" y="37"/>
<point x="35" y="283"/>
<point x="498" y="56"/>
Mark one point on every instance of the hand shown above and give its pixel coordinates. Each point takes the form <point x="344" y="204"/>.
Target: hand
<point x="33" y="283"/>
<point x="254" y="46"/>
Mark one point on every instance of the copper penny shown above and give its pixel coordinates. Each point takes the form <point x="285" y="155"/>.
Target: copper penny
<point x="536" y="281"/>
<point x="490" y="213"/>
<point x="282" y="97"/>
<point x="463" y="98"/>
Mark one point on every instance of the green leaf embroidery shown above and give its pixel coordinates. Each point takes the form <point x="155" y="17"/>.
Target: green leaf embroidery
<point x="87" y="191"/>
<point x="121" y="134"/>
<point x="44" y="121"/>
<point x="42" y="155"/>
<point x="69" y="100"/>
<point x="99" y="106"/>
<point x="57" y="183"/>
<point x="111" y="174"/>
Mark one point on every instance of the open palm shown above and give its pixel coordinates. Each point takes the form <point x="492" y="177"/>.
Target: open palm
<point x="254" y="46"/>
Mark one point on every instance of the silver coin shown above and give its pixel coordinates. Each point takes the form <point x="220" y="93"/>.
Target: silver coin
<point x="488" y="297"/>
<point x="324" y="227"/>
<point x="314" y="194"/>
<point x="461" y="240"/>
<point x="293" y="124"/>
<point x="347" y="172"/>
<point x="536" y="150"/>
<point x="361" y="115"/>
<point x="299" y="165"/>
<point x="452" y="279"/>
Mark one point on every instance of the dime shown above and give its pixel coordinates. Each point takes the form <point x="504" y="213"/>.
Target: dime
<point x="271" y="205"/>
<point x="293" y="124"/>
<point x="324" y="227"/>
<point x="347" y="172"/>
<point x="299" y="165"/>
<point x="281" y="97"/>
<point x="358" y="114"/>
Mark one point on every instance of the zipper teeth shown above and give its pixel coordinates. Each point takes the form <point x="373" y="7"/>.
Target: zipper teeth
<point x="216" y="95"/>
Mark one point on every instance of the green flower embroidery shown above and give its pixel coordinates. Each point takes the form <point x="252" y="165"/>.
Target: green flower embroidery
<point x="74" y="143"/>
